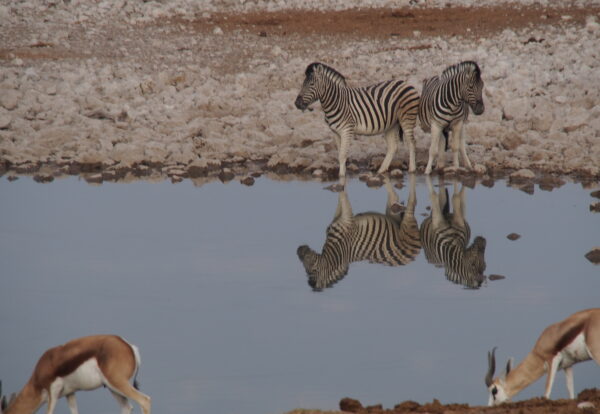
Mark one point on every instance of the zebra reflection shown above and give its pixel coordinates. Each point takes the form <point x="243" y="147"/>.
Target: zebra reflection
<point x="445" y="238"/>
<point x="391" y="238"/>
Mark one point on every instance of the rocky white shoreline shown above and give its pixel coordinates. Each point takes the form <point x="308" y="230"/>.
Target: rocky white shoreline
<point x="129" y="93"/>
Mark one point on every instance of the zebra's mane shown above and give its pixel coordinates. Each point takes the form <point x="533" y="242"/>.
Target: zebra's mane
<point x="460" y="67"/>
<point x="330" y="72"/>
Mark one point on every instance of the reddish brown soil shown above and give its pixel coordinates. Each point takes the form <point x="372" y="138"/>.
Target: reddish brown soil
<point x="382" y="23"/>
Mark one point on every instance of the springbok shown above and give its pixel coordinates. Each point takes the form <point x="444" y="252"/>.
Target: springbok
<point x="560" y="346"/>
<point x="82" y="364"/>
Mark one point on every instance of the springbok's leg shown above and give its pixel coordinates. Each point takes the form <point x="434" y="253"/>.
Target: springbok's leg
<point x="72" y="403"/>
<point x="126" y="407"/>
<point x="551" y="375"/>
<point x="570" y="385"/>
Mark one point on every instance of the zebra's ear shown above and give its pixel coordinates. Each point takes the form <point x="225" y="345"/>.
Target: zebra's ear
<point x="311" y="68"/>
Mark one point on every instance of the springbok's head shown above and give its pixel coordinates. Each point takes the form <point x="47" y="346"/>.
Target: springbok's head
<point x="496" y="386"/>
<point x="473" y="92"/>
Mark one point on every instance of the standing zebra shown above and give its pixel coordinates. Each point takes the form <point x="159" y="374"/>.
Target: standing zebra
<point x="445" y="239"/>
<point x="391" y="238"/>
<point x="389" y="107"/>
<point x="444" y="107"/>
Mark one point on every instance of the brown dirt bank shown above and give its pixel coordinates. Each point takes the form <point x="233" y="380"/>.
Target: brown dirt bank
<point x="533" y="406"/>
<point x="402" y="22"/>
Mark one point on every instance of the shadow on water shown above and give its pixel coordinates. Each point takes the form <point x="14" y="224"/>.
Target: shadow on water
<point x="394" y="238"/>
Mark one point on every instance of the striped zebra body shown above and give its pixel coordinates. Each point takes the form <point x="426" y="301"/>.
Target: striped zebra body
<point x="389" y="107"/>
<point x="445" y="240"/>
<point x="391" y="239"/>
<point x="444" y="108"/>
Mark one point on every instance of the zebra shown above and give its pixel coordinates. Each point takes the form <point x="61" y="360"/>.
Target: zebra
<point x="444" y="107"/>
<point x="445" y="238"/>
<point x="388" y="107"/>
<point x="391" y="238"/>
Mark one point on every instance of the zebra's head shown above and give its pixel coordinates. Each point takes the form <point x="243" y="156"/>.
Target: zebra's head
<point x="475" y="256"/>
<point x="320" y="275"/>
<point x="316" y="75"/>
<point x="473" y="93"/>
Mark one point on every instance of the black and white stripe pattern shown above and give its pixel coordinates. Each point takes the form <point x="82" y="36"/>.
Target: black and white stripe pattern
<point x="389" y="107"/>
<point x="445" y="239"/>
<point x="444" y="107"/>
<point x="391" y="238"/>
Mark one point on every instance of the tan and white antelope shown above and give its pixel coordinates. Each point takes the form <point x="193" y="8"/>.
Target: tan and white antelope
<point x="575" y="339"/>
<point x="82" y="364"/>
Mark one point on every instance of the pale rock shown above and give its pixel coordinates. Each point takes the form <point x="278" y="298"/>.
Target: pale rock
<point x="515" y="109"/>
<point x="5" y="121"/>
<point x="9" y="99"/>
<point x="522" y="175"/>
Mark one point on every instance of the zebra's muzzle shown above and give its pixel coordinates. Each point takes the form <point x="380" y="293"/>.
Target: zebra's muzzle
<point x="478" y="108"/>
<point x="300" y="104"/>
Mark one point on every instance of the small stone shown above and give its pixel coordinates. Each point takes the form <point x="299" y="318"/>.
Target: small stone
<point x="513" y="236"/>
<point x="318" y="172"/>
<point x="396" y="173"/>
<point x="43" y="178"/>
<point x="522" y="175"/>
<point x="595" y="207"/>
<point x="249" y="181"/>
<point x="5" y="121"/>
<point x="10" y="99"/>
<point x="350" y="405"/>
<point x="595" y="194"/>
<point x="496" y="277"/>
<point x="479" y="169"/>
<point x="94" y="178"/>
<point x="226" y="175"/>
<point x="586" y="405"/>
<point x="593" y="255"/>
<point x="218" y="31"/>
<point x="375" y="181"/>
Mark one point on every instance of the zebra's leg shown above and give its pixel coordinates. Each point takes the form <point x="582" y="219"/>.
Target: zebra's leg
<point x="455" y="142"/>
<point x="436" y="134"/>
<point x="392" y="198"/>
<point x="412" y="195"/>
<point x="409" y="138"/>
<point x="391" y="137"/>
<point x="442" y="143"/>
<point x="345" y="138"/>
<point x="437" y="218"/>
<point x="458" y="206"/>
<point x="463" y="149"/>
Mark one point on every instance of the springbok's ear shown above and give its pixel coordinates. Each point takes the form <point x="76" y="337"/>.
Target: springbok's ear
<point x="508" y="368"/>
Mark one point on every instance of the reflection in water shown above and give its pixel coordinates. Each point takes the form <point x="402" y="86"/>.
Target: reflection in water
<point x="391" y="238"/>
<point x="445" y="237"/>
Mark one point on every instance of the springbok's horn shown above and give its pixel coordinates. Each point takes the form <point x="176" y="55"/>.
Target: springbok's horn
<point x="491" y="367"/>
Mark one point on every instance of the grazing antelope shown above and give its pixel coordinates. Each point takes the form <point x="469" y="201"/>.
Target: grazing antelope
<point x="82" y="364"/>
<point x="560" y="346"/>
